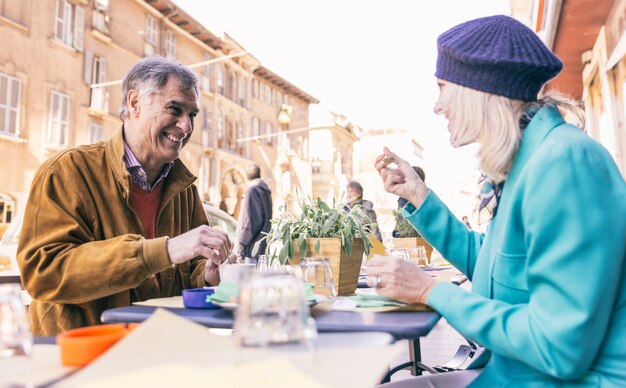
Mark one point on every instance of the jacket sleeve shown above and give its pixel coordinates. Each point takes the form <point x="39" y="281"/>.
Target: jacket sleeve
<point x="59" y="257"/>
<point x="445" y="232"/>
<point x="574" y="218"/>
<point x="198" y="264"/>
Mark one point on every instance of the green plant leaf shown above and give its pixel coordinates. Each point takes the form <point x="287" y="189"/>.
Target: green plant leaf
<point x="317" y="246"/>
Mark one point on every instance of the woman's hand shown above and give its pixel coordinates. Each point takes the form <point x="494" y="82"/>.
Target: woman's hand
<point x="402" y="181"/>
<point x="399" y="279"/>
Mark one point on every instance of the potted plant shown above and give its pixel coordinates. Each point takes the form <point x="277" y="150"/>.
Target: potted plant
<point x="322" y="230"/>
<point x="408" y="236"/>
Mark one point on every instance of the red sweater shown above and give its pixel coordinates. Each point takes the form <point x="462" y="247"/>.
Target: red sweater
<point x="147" y="207"/>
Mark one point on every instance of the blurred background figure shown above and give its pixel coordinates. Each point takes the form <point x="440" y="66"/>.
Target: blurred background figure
<point x="354" y="192"/>
<point x="402" y="201"/>
<point x="466" y="222"/>
<point x="255" y="216"/>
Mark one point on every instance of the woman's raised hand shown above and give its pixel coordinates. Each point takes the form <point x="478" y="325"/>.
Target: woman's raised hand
<point x="402" y="180"/>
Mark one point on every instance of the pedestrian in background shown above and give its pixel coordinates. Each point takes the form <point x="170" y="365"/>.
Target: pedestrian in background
<point x="402" y="201"/>
<point x="354" y="192"/>
<point x="255" y="216"/>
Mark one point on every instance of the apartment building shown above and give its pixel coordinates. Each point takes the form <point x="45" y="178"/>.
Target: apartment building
<point x="60" y="68"/>
<point x="590" y="38"/>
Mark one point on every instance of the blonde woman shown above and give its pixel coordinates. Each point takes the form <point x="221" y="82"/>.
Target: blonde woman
<point x="549" y="276"/>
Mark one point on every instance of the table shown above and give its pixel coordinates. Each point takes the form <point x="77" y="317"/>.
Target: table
<point x="46" y="366"/>
<point x="410" y="325"/>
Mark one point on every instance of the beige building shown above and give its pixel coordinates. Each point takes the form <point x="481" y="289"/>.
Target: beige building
<point x="591" y="41"/>
<point x="55" y="51"/>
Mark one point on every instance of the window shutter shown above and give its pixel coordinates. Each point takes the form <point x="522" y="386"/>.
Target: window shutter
<point x="79" y="28"/>
<point x="87" y="67"/>
<point x="102" y="77"/>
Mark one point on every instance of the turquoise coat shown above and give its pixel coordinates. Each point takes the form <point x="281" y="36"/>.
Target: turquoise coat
<point x="549" y="277"/>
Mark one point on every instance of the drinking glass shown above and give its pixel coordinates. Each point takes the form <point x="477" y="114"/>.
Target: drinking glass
<point x="16" y="340"/>
<point x="421" y="257"/>
<point x="262" y="264"/>
<point x="273" y="310"/>
<point x="401" y="253"/>
<point x="317" y="270"/>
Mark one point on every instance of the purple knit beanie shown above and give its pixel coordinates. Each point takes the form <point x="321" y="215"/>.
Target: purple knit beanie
<point x="497" y="55"/>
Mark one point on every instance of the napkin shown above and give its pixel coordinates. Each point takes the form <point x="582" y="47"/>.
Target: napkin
<point x="228" y="292"/>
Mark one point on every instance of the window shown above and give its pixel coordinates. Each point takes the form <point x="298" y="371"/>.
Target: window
<point x="255" y="127"/>
<point x="268" y="133"/>
<point x="206" y="76"/>
<point x="58" y="122"/>
<point x="240" y="135"/>
<point x="100" y="15"/>
<point x="151" y="30"/>
<point x="10" y="94"/>
<point x="220" y="129"/>
<point x="63" y="22"/>
<point x="206" y="127"/>
<point x="255" y="88"/>
<point x="170" y="44"/>
<point x="243" y="86"/>
<point x="15" y="10"/>
<point x="95" y="133"/>
<point x="220" y="80"/>
<point x="7" y="208"/>
<point x="232" y="83"/>
<point x="95" y="73"/>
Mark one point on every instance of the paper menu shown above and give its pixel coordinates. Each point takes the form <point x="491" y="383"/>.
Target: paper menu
<point x="167" y="343"/>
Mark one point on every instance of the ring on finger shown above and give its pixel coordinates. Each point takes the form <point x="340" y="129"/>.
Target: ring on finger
<point x="377" y="281"/>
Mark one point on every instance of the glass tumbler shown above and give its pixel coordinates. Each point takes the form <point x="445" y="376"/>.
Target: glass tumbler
<point x="317" y="270"/>
<point x="401" y="253"/>
<point x="273" y="310"/>
<point x="16" y="340"/>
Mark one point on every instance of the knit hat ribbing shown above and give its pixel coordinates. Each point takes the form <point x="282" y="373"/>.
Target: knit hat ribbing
<point x="497" y="55"/>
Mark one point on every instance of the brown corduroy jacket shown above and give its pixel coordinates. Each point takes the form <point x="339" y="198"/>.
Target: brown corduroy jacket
<point x="82" y="249"/>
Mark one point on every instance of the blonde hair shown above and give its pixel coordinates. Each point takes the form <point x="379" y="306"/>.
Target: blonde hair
<point x="494" y="122"/>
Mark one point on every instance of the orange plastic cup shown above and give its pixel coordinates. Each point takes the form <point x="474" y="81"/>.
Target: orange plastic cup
<point x="81" y="346"/>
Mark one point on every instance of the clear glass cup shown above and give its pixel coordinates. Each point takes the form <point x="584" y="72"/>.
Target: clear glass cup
<point x="275" y="264"/>
<point x="273" y="310"/>
<point x="317" y="270"/>
<point x="262" y="264"/>
<point x="16" y="340"/>
<point x="401" y="253"/>
<point x="419" y="256"/>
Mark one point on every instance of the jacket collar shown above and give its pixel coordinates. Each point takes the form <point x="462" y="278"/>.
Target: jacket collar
<point x="544" y="121"/>
<point x="178" y="179"/>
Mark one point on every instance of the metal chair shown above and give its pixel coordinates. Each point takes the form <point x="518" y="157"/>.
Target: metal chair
<point x="469" y="356"/>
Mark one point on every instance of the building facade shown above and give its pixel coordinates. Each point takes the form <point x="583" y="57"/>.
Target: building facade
<point x="590" y="38"/>
<point x="60" y="72"/>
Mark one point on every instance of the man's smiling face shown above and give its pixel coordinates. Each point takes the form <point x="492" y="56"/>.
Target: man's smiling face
<point x="165" y="122"/>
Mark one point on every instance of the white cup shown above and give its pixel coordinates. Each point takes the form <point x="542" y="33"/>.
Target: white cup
<point x="234" y="273"/>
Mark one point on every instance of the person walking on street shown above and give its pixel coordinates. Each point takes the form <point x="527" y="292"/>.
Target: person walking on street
<point x="256" y="214"/>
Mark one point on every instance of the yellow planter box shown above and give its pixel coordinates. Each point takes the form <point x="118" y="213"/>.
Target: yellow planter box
<point x="345" y="268"/>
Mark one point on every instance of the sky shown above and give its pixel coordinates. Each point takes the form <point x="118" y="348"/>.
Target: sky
<point x="371" y="60"/>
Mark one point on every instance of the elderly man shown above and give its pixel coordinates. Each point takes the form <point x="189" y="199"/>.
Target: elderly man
<point x="120" y="221"/>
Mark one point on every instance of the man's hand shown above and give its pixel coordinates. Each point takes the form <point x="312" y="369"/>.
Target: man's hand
<point x="399" y="279"/>
<point x="202" y="241"/>
<point x="402" y="181"/>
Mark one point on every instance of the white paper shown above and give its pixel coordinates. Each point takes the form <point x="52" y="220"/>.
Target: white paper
<point x="166" y="342"/>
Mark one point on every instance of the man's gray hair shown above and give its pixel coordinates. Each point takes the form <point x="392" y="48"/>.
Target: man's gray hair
<point x="152" y="73"/>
